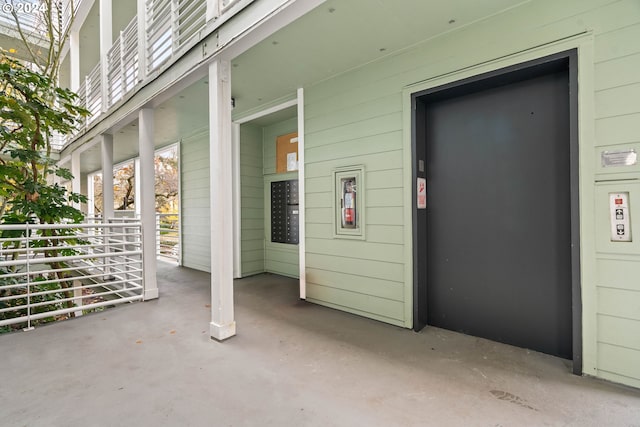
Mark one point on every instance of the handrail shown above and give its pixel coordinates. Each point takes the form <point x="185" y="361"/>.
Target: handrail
<point x="82" y="267"/>
<point x="122" y="63"/>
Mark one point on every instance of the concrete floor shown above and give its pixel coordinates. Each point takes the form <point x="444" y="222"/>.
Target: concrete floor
<point x="291" y="364"/>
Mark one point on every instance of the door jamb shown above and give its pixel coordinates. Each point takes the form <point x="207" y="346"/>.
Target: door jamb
<point x="571" y="56"/>
<point x="299" y="102"/>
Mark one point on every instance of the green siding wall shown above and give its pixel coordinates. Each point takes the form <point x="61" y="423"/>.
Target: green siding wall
<point x="195" y="196"/>
<point x="252" y="200"/>
<point x="617" y="126"/>
<point x="279" y="258"/>
<point x="359" y="117"/>
<point x="258" y="170"/>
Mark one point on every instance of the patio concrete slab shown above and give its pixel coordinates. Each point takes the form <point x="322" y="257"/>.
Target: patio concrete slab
<point x="291" y="364"/>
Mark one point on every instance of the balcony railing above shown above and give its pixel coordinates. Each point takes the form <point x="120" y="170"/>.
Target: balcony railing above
<point x="169" y="26"/>
<point x="122" y="63"/>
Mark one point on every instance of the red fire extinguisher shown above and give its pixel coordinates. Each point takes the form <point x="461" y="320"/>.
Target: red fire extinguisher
<point x="349" y="211"/>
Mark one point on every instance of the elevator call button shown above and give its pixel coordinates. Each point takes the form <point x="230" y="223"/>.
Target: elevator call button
<point x="619" y="217"/>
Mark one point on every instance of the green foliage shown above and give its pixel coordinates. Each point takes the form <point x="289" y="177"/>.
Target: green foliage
<point x="32" y="109"/>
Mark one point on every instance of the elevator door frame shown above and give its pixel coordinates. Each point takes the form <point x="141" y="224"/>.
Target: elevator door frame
<point x="503" y="76"/>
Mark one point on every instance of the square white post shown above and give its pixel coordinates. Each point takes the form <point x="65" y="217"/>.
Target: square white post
<point x="106" y="40"/>
<point x="91" y="196"/>
<point x="74" y="60"/>
<point x="107" y="177"/>
<point x="142" y="39"/>
<point x="107" y="192"/>
<point x="301" y="199"/>
<point x="136" y="194"/>
<point x="237" y="256"/>
<point x="148" y="201"/>
<point x="222" y="325"/>
<point x="75" y="171"/>
<point x="213" y="9"/>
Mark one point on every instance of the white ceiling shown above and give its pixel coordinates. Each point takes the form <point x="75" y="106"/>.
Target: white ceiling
<point x="340" y="35"/>
<point x="337" y="36"/>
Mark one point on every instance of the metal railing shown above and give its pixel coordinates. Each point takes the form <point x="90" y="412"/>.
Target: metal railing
<point x="169" y="26"/>
<point x="158" y="32"/>
<point x="168" y="235"/>
<point x="188" y="17"/>
<point x="93" y="87"/>
<point x="54" y="271"/>
<point x="122" y="63"/>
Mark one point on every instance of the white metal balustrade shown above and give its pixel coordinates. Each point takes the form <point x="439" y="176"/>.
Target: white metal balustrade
<point x="168" y="235"/>
<point x="188" y="17"/>
<point x="122" y="63"/>
<point x="60" y="270"/>
<point x="169" y="26"/>
<point x="93" y="87"/>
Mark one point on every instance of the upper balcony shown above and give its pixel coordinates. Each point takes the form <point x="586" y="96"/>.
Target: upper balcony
<point x="144" y="48"/>
<point x="144" y="39"/>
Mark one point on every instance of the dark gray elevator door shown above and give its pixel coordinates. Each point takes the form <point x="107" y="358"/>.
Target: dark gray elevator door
<point x="498" y="218"/>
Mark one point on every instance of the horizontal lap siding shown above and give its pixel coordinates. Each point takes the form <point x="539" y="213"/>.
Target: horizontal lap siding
<point x="356" y="118"/>
<point x="252" y="201"/>
<point x="617" y="111"/>
<point x="356" y="126"/>
<point x="195" y="196"/>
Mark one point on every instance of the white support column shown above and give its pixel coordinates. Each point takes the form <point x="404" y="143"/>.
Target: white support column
<point x="91" y="196"/>
<point x="107" y="192"/>
<point x="301" y="199"/>
<point x="106" y="40"/>
<point x="74" y="60"/>
<point x="237" y="242"/>
<point x="75" y="171"/>
<point x="147" y="201"/>
<point x="106" y="26"/>
<point x="137" y="189"/>
<point x="213" y="9"/>
<point x="142" y="39"/>
<point x="107" y="177"/>
<point x="222" y="325"/>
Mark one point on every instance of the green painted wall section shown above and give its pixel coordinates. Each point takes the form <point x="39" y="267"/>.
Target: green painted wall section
<point x="195" y="196"/>
<point x="280" y="258"/>
<point x="360" y="117"/>
<point x="257" y="171"/>
<point x="252" y="200"/>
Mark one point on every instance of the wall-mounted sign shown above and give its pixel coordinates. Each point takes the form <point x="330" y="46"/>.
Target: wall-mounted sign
<point x="618" y="158"/>
<point x="619" y="215"/>
<point x="287" y="153"/>
<point x="421" y="188"/>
